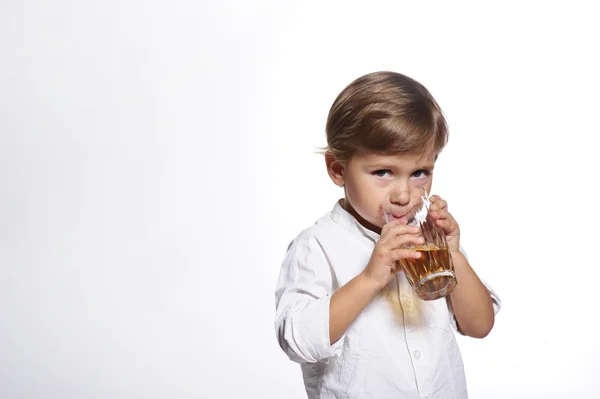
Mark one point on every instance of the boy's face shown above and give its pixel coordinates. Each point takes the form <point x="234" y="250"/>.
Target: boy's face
<point x="367" y="179"/>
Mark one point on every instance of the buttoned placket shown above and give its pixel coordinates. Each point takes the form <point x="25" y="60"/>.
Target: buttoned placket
<point x="412" y="338"/>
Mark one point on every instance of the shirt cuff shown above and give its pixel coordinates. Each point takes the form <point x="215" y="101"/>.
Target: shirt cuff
<point x="307" y="333"/>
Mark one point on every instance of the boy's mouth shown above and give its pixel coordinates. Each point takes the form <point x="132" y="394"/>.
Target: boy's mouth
<point x="391" y="216"/>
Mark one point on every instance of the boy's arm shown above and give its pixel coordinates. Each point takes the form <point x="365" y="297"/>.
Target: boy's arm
<point x="302" y="299"/>
<point x="348" y="302"/>
<point x="310" y="319"/>
<point x="471" y="300"/>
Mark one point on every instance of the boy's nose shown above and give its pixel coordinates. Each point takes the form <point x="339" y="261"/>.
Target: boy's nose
<point x="400" y="197"/>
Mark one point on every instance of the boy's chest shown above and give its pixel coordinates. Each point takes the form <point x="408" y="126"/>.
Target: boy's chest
<point x="347" y="258"/>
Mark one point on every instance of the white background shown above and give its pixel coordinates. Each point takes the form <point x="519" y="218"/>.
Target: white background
<point x="157" y="157"/>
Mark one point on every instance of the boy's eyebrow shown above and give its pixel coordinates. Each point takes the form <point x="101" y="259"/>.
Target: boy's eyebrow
<point x="378" y="165"/>
<point x="387" y="165"/>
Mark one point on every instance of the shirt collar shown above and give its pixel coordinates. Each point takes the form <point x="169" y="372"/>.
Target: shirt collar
<point x="344" y="219"/>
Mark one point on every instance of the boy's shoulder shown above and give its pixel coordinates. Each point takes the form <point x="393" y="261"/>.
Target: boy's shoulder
<point x="321" y="229"/>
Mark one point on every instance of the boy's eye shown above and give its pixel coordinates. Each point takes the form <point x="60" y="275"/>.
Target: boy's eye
<point x="421" y="173"/>
<point x="382" y="172"/>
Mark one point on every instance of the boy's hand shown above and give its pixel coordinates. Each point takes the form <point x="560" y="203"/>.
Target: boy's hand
<point x="439" y="213"/>
<point x="382" y="266"/>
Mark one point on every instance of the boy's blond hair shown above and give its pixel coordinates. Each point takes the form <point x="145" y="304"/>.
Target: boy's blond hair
<point x="387" y="113"/>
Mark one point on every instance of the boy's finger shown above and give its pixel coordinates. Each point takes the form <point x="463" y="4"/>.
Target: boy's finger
<point x="402" y="253"/>
<point x="404" y="229"/>
<point x="438" y="204"/>
<point x="386" y="227"/>
<point x="393" y="242"/>
<point x="391" y="225"/>
<point x="441" y="214"/>
<point x="406" y="239"/>
<point x="401" y="242"/>
<point x="447" y="225"/>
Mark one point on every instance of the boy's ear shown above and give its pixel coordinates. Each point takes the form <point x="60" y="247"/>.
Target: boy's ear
<point x="335" y="169"/>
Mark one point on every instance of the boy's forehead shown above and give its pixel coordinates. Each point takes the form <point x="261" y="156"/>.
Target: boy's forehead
<point x="427" y="158"/>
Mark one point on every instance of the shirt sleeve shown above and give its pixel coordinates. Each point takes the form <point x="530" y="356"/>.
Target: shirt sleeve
<point x="496" y="302"/>
<point x="302" y="298"/>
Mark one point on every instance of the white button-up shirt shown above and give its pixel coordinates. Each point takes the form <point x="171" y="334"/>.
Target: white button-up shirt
<point x="399" y="346"/>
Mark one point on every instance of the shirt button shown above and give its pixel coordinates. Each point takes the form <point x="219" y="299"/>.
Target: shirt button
<point x="417" y="354"/>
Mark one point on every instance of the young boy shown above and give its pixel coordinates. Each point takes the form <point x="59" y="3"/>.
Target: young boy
<point x="345" y="311"/>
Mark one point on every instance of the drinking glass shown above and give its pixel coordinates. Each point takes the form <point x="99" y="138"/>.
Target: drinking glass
<point x="432" y="275"/>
